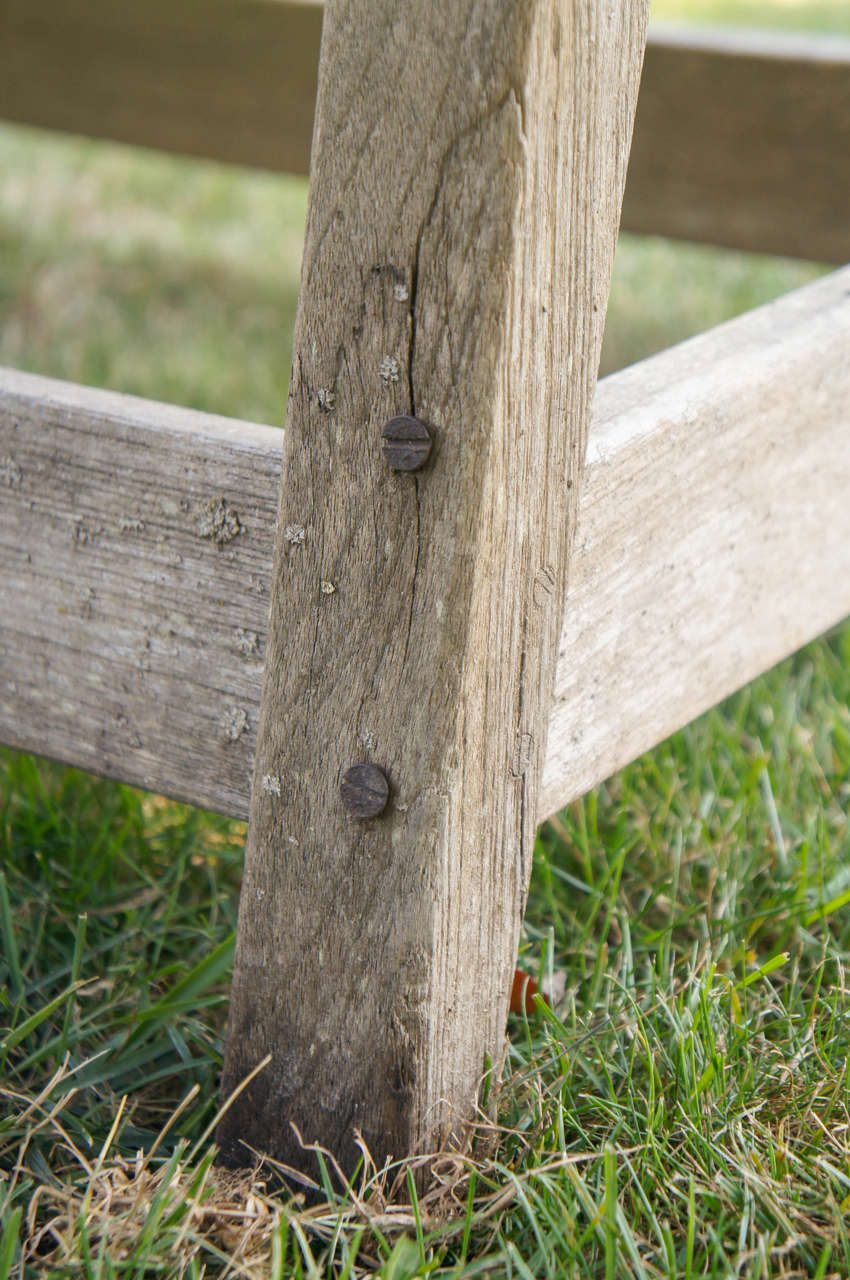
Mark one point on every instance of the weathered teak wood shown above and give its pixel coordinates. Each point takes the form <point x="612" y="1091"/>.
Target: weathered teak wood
<point x="741" y="139"/>
<point x="710" y="469"/>
<point x="468" y="165"/>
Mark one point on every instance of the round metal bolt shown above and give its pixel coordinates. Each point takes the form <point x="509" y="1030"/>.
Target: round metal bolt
<point x="365" y="790"/>
<point x="407" y="443"/>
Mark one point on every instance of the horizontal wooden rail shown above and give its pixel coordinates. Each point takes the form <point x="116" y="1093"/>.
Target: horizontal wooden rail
<point x="740" y="140"/>
<point x="230" y="80"/>
<point x="136" y="542"/>
<point x="714" y="529"/>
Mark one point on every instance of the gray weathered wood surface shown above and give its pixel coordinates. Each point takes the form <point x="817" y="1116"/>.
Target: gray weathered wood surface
<point x="702" y="565"/>
<point x="714" y="535"/>
<point x="741" y="139"/>
<point x="135" y="544"/>
<point x="466" y="181"/>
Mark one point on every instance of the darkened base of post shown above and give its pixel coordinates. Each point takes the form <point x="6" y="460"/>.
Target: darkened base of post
<point x="265" y="1114"/>
<point x="283" y="1113"/>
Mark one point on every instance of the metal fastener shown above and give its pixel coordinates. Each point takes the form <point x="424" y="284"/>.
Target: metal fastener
<point x="407" y="443"/>
<point x="365" y="790"/>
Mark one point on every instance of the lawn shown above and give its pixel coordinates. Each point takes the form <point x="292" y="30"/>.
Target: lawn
<point x="685" y="1109"/>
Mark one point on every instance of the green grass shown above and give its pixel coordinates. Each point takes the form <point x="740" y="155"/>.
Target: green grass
<point x="684" y="1110"/>
<point x="801" y="15"/>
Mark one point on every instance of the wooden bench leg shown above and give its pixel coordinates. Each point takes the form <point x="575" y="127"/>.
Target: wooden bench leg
<point x="468" y="165"/>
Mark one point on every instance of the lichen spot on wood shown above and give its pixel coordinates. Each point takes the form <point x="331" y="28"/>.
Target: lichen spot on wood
<point x="327" y="588"/>
<point x="218" y="520"/>
<point x="270" y="784"/>
<point x="234" y="722"/>
<point x="86" y="597"/>
<point x="85" y="535"/>
<point x="389" y="370"/>
<point x="247" y="642"/>
<point x="10" y="473"/>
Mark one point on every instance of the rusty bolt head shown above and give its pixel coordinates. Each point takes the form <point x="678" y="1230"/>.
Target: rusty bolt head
<point x="406" y="443"/>
<point x="365" y="790"/>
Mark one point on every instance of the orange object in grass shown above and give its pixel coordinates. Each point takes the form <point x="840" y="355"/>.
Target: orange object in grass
<point x="523" y="991"/>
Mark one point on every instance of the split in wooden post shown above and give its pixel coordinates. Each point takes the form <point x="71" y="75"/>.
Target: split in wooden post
<point x="468" y="167"/>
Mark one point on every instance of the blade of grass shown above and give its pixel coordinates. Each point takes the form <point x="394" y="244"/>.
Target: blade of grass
<point x="76" y="961"/>
<point x="10" y="942"/>
<point x="9" y="1243"/>
<point x="33" y="1022"/>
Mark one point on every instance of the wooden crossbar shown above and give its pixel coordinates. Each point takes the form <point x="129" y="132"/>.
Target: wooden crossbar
<point x="132" y="599"/>
<point x="136" y="539"/>
<point x="231" y="80"/>
<point x="740" y="140"/>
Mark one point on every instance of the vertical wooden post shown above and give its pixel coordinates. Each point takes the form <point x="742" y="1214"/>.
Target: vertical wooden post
<point x="468" y="166"/>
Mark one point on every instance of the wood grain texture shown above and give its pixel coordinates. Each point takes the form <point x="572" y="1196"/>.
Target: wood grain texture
<point x="230" y="80"/>
<point x="741" y="139"/>
<point x="702" y="565"/>
<point x="135" y="544"/>
<point x="714" y="536"/>
<point x="467" y="175"/>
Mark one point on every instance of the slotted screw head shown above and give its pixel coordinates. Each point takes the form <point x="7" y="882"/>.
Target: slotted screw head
<point x="406" y="443"/>
<point x="365" y="790"/>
